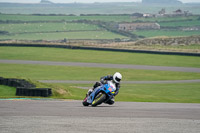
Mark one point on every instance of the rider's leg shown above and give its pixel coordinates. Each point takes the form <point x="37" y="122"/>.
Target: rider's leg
<point x="89" y="91"/>
<point x="94" y="86"/>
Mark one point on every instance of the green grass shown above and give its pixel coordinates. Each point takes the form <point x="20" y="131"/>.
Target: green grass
<point x="176" y="19"/>
<point x="172" y="93"/>
<point x="62" y="35"/>
<point x="180" y="23"/>
<point x="29" y="18"/>
<point x="170" y="33"/>
<point x="67" y="55"/>
<point x="46" y="27"/>
<point x="6" y="91"/>
<point x="115" y="18"/>
<point x="61" y="30"/>
<point x="43" y="72"/>
<point x="180" y="93"/>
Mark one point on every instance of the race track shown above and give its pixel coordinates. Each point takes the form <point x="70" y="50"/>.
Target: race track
<point x="54" y="116"/>
<point x="103" y="65"/>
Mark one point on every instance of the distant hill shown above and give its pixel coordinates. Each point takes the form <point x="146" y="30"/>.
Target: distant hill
<point x="161" y="2"/>
<point x="45" y="2"/>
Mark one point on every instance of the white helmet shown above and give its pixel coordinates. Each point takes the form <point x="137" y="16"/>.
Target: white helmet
<point x="117" y="77"/>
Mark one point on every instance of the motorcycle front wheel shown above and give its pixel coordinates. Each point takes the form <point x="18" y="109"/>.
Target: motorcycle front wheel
<point x="99" y="99"/>
<point x="85" y="103"/>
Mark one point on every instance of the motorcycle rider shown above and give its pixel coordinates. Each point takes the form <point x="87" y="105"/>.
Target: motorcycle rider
<point x="116" y="78"/>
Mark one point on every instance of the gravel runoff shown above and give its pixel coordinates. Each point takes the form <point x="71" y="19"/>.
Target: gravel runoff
<point x="33" y="116"/>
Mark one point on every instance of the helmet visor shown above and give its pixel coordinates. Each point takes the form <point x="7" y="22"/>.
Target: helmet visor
<point x="117" y="79"/>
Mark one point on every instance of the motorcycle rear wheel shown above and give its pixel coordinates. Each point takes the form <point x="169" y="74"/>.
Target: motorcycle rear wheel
<point x="99" y="99"/>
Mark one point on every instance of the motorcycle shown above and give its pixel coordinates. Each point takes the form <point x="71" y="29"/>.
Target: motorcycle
<point x="100" y="95"/>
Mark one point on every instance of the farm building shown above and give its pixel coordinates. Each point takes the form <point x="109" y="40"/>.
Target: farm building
<point x="136" y="26"/>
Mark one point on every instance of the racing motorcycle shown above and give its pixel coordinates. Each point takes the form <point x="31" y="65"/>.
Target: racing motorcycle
<point x="100" y="95"/>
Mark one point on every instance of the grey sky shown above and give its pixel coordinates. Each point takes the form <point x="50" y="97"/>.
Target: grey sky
<point x="82" y="1"/>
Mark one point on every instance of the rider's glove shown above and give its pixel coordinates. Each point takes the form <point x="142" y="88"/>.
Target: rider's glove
<point x="103" y="81"/>
<point x="116" y="93"/>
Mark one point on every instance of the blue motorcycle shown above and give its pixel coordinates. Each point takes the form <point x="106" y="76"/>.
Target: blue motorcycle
<point x="100" y="95"/>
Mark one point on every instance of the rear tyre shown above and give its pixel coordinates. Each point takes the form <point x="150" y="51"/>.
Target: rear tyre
<point x="99" y="99"/>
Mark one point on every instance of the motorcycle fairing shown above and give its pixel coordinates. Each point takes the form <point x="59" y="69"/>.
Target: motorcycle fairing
<point x="108" y="89"/>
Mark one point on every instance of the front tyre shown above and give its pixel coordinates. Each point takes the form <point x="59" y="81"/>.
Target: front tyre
<point x="99" y="99"/>
<point x="85" y="103"/>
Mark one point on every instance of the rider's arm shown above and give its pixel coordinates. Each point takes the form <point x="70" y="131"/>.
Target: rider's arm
<point x="106" y="78"/>
<point x="117" y="90"/>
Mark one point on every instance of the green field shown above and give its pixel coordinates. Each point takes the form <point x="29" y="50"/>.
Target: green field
<point x="55" y="31"/>
<point x="62" y="35"/>
<point x="32" y="18"/>
<point x="58" y="27"/>
<point x="169" y="33"/>
<point x="189" y="23"/>
<point x="163" y="21"/>
<point x="68" y="55"/>
<point x="47" y="27"/>
<point x="177" y="19"/>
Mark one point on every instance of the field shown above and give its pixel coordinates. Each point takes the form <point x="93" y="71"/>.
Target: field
<point x="63" y="35"/>
<point x="44" y="18"/>
<point x="168" y="33"/>
<point x="179" y="92"/>
<point x="59" y="27"/>
<point x="47" y="27"/>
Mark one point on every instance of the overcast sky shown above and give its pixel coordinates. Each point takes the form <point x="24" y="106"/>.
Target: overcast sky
<point x="82" y="1"/>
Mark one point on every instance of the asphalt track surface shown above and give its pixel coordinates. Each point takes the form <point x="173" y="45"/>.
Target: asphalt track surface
<point x="123" y="82"/>
<point x="102" y="65"/>
<point x="54" y="116"/>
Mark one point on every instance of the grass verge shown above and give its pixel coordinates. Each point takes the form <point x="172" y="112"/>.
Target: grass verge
<point x="43" y="72"/>
<point x="170" y="93"/>
<point x="68" y="55"/>
<point x="6" y="91"/>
